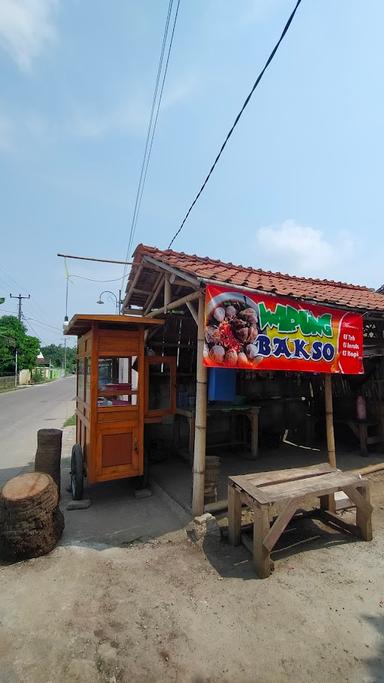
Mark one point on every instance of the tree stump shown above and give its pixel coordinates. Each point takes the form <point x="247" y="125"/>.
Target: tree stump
<point x="48" y="454"/>
<point x="31" y="522"/>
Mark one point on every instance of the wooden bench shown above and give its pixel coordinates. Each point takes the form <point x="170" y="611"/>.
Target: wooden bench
<point x="291" y="489"/>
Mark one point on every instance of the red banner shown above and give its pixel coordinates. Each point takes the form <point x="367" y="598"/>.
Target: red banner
<point x="262" y="332"/>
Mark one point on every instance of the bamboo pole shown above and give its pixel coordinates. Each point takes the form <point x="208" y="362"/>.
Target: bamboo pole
<point x="369" y="469"/>
<point x="174" y="304"/>
<point x="155" y="294"/>
<point x="192" y="311"/>
<point x="167" y="292"/>
<point x="330" y="500"/>
<point x="329" y="420"/>
<point x="201" y="418"/>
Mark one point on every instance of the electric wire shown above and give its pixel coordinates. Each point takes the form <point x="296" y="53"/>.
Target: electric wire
<point x="90" y="279"/>
<point x="154" y="126"/>
<point x="30" y="326"/>
<point x="154" y="98"/>
<point x="236" y="121"/>
<point x="8" y="279"/>
<point x="39" y="322"/>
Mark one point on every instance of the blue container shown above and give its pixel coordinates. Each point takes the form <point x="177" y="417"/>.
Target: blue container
<point x="221" y="384"/>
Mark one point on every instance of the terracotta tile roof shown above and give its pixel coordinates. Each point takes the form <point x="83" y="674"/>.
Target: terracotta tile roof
<point x="321" y="291"/>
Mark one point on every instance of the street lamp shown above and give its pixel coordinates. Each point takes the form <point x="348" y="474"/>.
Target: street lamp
<point x="117" y="300"/>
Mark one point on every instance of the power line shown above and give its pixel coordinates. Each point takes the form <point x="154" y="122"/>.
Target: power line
<point x="39" y="322"/>
<point x="151" y="127"/>
<point x="12" y="282"/>
<point x="236" y="121"/>
<point x="155" y="124"/>
<point x="90" y="279"/>
<point x="27" y="320"/>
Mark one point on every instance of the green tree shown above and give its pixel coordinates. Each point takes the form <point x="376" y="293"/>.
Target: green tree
<point x="55" y="354"/>
<point x="13" y="336"/>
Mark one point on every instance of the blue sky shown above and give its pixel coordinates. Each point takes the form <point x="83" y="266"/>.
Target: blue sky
<point x="299" y="188"/>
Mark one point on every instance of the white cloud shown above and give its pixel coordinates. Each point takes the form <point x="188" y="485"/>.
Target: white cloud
<point x="129" y="116"/>
<point x="26" y="27"/>
<point x="124" y="117"/>
<point x="178" y="91"/>
<point x="255" y="11"/>
<point x="304" y="250"/>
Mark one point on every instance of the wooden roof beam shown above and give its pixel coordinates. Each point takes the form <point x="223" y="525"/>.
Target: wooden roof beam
<point x="192" y="311"/>
<point x="193" y="281"/>
<point x="174" y="304"/>
<point x="151" y="299"/>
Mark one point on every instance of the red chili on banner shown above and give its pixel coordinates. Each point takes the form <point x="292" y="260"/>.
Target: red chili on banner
<point x="260" y="332"/>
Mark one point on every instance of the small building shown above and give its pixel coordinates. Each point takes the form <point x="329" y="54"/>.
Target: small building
<point x="255" y="352"/>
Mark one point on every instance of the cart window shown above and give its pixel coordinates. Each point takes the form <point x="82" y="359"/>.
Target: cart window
<point x="87" y="377"/>
<point x="159" y="394"/>
<point x="80" y="379"/>
<point x="118" y="381"/>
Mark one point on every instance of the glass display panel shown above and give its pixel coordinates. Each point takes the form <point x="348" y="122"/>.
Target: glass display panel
<point x="80" y="378"/>
<point x="118" y="381"/>
<point x="87" y="376"/>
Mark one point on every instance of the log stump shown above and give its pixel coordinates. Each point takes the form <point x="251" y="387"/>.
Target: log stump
<point x="48" y="454"/>
<point x="31" y="522"/>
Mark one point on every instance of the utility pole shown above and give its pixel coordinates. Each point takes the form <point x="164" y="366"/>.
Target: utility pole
<point x="20" y="298"/>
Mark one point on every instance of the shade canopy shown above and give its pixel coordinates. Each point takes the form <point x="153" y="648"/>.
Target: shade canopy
<point x="81" y="323"/>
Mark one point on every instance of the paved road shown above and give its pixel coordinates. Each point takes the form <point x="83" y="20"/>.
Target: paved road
<point x="23" y="412"/>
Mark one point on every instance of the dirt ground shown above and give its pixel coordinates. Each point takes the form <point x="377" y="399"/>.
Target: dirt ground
<point x="170" y="610"/>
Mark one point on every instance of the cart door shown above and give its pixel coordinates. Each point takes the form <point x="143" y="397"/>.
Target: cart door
<point x="119" y="449"/>
<point x="160" y="387"/>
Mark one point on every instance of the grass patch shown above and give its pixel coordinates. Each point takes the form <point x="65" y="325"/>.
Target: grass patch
<point x="70" y="421"/>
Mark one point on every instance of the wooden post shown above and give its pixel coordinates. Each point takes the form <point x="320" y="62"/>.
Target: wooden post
<point x="363" y="516"/>
<point x="329" y="420"/>
<point x="330" y="436"/>
<point x="167" y="292"/>
<point x="234" y="515"/>
<point x="201" y="418"/>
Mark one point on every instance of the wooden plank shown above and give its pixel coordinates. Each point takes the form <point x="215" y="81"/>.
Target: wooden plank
<point x="234" y="515"/>
<point x="266" y="478"/>
<point x="255" y="493"/>
<point x="280" y="524"/>
<point x="316" y="486"/>
<point x="261" y="556"/>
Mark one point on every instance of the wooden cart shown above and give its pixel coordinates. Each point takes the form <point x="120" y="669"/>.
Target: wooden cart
<point x="119" y="388"/>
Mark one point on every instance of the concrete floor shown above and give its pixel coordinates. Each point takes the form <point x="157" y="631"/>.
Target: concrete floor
<point x="116" y="517"/>
<point x="174" y="474"/>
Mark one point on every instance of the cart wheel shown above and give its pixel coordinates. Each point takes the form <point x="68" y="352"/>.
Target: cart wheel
<point x="77" y="472"/>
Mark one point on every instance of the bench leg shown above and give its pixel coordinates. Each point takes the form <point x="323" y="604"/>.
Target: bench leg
<point x="364" y="518"/>
<point x="234" y="515"/>
<point x="261" y="556"/>
<point x="328" y="503"/>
